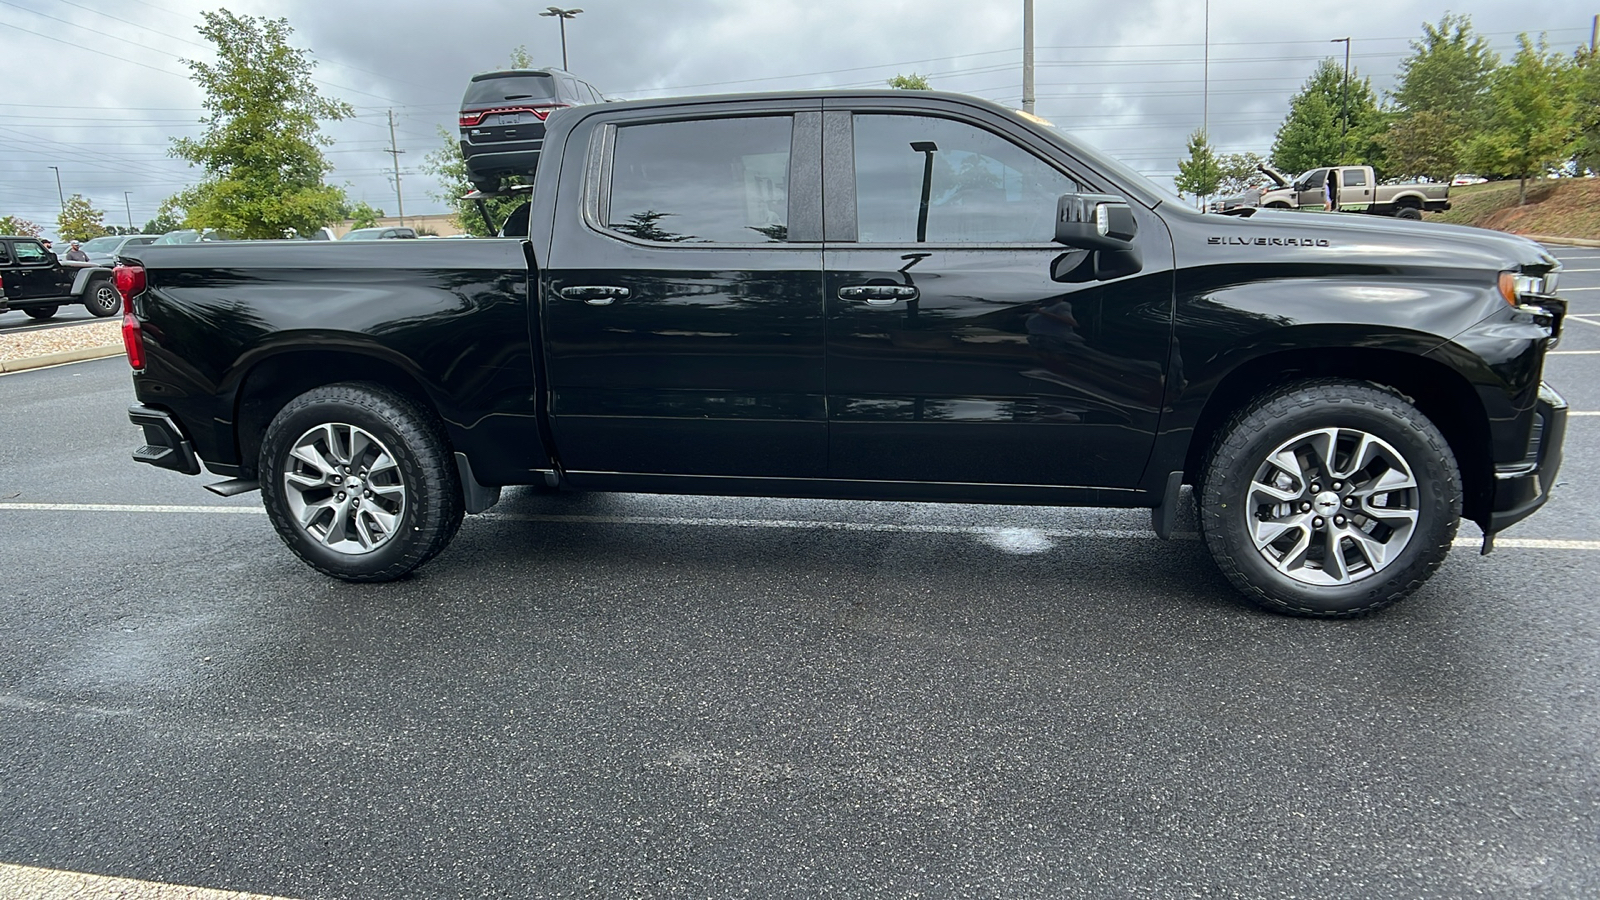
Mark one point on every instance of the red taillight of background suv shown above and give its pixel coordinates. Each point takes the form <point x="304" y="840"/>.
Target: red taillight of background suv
<point x="474" y="119"/>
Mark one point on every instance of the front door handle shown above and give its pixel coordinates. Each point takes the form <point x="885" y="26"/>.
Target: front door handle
<point x="595" y="294"/>
<point x="879" y="294"/>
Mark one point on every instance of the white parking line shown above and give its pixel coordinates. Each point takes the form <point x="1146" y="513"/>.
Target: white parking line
<point x="57" y="884"/>
<point x="1573" y="353"/>
<point x="1571" y="318"/>
<point x="995" y="531"/>
<point x="1568" y="290"/>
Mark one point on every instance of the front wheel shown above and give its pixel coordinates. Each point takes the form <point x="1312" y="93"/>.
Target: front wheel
<point x="41" y="312"/>
<point x="358" y="482"/>
<point x="1330" y="498"/>
<point x="102" y="300"/>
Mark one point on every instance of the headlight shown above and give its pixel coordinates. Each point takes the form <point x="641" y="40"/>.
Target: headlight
<point x="1515" y="286"/>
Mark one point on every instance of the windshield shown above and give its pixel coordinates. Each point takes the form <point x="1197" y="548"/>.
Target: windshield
<point x="102" y="244"/>
<point x="178" y="237"/>
<point x="501" y="87"/>
<point x="1119" y="169"/>
<point x="363" y="234"/>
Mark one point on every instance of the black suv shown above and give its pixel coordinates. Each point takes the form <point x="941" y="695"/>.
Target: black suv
<point x="502" y="119"/>
<point x="38" y="283"/>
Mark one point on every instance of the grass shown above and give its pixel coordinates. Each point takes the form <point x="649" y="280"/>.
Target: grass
<point x="1567" y="207"/>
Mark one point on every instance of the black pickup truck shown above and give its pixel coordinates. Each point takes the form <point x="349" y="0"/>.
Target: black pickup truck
<point x="870" y="295"/>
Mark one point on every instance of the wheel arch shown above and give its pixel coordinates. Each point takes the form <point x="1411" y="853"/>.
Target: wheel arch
<point x="272" y="381"/>
<point x="1438" y="391"/>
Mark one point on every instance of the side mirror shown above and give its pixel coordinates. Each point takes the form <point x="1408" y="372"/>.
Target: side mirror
<point x="1095" y="222"/>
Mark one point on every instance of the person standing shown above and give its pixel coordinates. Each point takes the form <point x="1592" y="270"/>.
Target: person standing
<point x="76" y="254"/>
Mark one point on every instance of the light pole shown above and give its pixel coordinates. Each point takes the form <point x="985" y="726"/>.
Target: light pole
<point x="129" y="205"/>
<point x="562" y="15"/>
<point x="1344" y="98"/>
<point x="1027" y="56"/>
<point x="60" y="195"/>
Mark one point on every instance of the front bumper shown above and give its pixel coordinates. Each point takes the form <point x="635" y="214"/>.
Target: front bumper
<point x="1520" y="489"/>
<point x="165" y="445"/>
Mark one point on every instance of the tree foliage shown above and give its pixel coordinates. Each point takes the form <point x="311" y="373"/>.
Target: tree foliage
<point x="447" y="165"/>
<point x="1199" y="174"/>
<point x="19" y="227"/>
<point x="1530" y="126"/>
<point x="1586" y="110"/>
<point x="167" y="219"/>
<point x="79" y="220"/>
<point x="1239" y="171"/>
<point x="1441" y="98"/>
<point x="363" y="215"/>
<point x="262" y="149"/>
<point x="1314" y="133"/>
<point x="912" y="82"/>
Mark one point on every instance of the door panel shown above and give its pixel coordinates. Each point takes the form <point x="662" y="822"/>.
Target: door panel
<point x="1001" y="360"/>
<point x="684" y="336"/>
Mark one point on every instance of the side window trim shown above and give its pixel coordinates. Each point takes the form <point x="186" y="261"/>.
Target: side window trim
<point x="601" y="159"/>
<point x="838" y="176"/>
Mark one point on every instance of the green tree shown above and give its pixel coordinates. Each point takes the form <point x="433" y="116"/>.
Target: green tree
<point x="1586" y="109"/>
<point x="521" y="58"/>
<point x="168" y="218"/>
<point x="17" y="227"/>
<point x="363" y="216"/>
<point x="1440" y="100"/>
<point x="262" y="149"/>
<point x="1530" y="126"/>
<point x="1239" y="171"/>
<point x="912" y="82"/>
<point x="1315" y="134"/>
<point x="80" y="221"/>
<point x="1200" y="174"/>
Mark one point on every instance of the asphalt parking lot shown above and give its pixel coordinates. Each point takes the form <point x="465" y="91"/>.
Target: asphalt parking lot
<point x="631" y="695"/>
<point x="17" y="321"/>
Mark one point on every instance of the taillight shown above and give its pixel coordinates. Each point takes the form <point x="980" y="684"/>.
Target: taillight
<point x="132" y="340"/>
<point x="130" y="282"/>
<point x="473" y="119"/>
<point x="468" y="120"/>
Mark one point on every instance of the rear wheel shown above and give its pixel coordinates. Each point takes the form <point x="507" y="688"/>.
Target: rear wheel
<point x="41" y="312"/>
<point x="1408" y="212"/>
<point x="102" y="299"/>
<point x="358" y="482"/>
<point x="1330" y="498"/>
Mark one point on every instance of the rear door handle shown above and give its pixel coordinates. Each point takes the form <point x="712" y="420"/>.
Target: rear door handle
<point x="879" y="294"/>
<point x="595" y="294"/>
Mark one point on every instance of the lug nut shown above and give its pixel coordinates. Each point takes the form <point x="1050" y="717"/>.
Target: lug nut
<point x="1337" y="486"/>
<point x="356" y="502"/>
<point x="1305" y="507"/>
<point x="1317" y="522"/>
<point x="1350" y="501"/>
<point x="367" y="495"/>
<point x="1316" y="489"/>
<point x="339" y="496"/>
<point x="337" y="479"/>
<point x="1339" y="521"/>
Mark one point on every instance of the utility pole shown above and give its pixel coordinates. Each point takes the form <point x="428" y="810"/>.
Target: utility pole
<point x="1027" y="57"/>
<point x="1344" y="98"/>
<point x="395" y="151"/>
<point x="562" y="15"/>
<point x="59" y="194"/>
<point x="1205" y="79"/>
<point x="1594" y="34"/>
<point x="128" y="204"/>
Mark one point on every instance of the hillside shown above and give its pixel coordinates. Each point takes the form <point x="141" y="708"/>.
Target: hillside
<point x="1569" y="207"/>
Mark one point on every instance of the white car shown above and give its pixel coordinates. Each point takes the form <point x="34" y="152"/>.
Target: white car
<point x="1460" y="180"/>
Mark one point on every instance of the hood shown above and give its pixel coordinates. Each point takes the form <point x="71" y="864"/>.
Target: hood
<point x="1278" y="178"/>
<point x="1265" y="235"/>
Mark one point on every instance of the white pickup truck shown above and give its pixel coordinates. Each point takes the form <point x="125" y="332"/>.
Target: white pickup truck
<point x="1353" y="189"/>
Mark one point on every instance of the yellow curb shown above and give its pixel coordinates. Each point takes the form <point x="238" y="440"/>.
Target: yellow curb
<point x="56" y="359"/>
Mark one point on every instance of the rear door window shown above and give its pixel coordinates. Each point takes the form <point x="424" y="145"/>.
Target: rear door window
<point x="704" y="181"/>
<point x="1355" y="178"/>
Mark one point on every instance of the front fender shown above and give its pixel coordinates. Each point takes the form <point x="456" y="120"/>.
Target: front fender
<point x="80" y="282"/>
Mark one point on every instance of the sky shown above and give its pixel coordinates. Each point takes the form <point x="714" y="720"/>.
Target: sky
<point x="99" y="89"/>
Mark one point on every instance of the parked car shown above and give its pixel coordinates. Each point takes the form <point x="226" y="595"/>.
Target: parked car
<point x="1466" y="179"/>
<point x="1355" y="189"/>
<point x="379" y="234"/>
<point x="503" y="117"/>
<point x="103" y="251"/>
<point x="1000" y="314"/>
<point x="39" y="284"/>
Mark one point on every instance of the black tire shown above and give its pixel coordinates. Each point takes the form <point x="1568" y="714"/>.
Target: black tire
<point x="1410" y="213"/>
<point x="1232" y="516"/>
<point x="101" y="299"/>
<point x="488" y="184"/>
<point x="423" y="467"/>
<point x="41" y="312"/>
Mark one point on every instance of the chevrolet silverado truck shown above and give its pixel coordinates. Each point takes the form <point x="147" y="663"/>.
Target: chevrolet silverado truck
<point x="880" y="295"/>
<point x="1354" y="189"/>
<point x="39" y="284"/>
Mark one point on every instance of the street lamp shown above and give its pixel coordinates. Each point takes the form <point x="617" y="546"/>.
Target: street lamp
<point x="59" y="194"/>
<point x="562" y="15"/>
<point x="1344" y="99"/>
